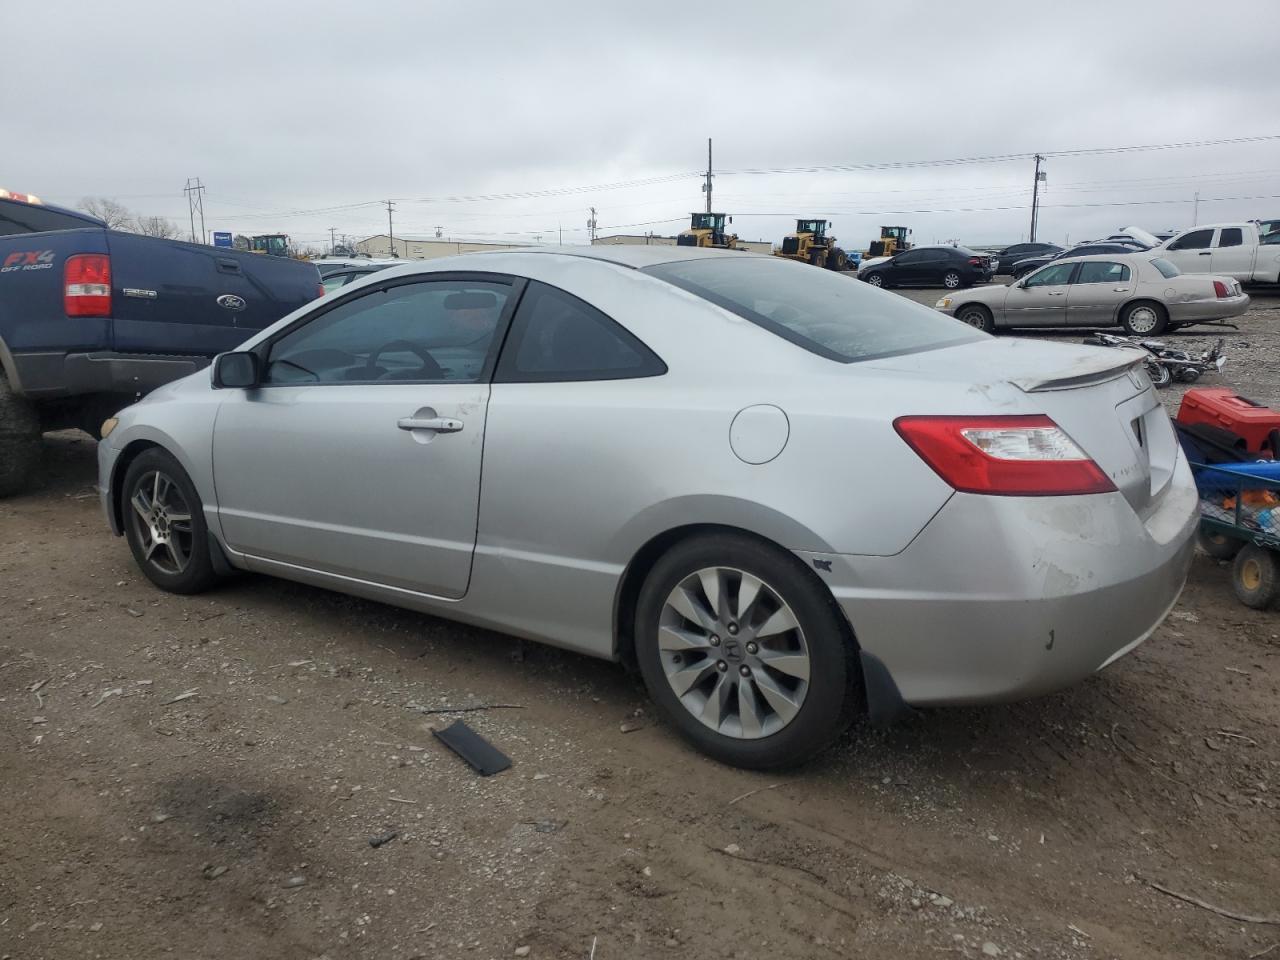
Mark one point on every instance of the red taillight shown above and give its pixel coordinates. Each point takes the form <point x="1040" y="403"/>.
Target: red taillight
<point x="1221" y="290"/>
<point x="1003" y="456"/>
<point x="86" y="285"/>
<point x="319" y="289"/>
<point x="976" y="261"/>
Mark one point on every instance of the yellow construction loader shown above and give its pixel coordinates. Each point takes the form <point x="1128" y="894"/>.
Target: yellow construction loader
<point x="707" y="230"/>
<point x="892" y="240"/>
<point x="810" y="244"/>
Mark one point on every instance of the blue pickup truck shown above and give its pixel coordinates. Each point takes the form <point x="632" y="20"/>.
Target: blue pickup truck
<point x="93" y="318"/>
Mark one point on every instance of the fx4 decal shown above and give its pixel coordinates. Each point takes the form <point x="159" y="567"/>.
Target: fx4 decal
<point x="28" y="260"/>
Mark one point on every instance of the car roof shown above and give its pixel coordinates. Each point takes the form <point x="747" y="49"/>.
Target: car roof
<point x="1136" y="256"/>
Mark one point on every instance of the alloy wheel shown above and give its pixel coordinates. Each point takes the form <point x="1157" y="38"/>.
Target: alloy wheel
<point x="951" y="280"/>
<point x="734" y="653"/>
<point x="875" y="280"/>
<point x="974" y="318"/>
<point x="161" y="521"/>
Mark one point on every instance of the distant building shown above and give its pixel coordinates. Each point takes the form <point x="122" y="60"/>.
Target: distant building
<point x="425" y="248"/>
<point x="648" y="239"/>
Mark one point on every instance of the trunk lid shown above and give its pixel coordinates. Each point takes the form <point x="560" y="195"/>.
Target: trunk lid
<point x="1100" y="396"/>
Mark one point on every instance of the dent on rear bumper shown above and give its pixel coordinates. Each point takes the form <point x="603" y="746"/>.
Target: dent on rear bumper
<point x="1001" y="598"/>
<point x="1209" y="309"/>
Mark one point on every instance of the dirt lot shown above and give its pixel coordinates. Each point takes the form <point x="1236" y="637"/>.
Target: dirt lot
<point x="235" y="823"/>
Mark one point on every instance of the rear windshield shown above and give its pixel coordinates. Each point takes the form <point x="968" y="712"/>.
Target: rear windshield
<point x="18" y="218"/>
<point x="830" y="314"/>
<point x="1167" y="269"/>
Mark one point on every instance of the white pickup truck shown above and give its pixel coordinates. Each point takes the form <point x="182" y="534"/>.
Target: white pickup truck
<point x="1248" y="252"/>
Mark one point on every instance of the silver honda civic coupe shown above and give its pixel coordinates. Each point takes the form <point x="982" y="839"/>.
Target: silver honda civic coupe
<point x="785" y="496"/>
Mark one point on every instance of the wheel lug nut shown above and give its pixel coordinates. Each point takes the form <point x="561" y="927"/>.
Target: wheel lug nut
<point x="733" y="628"/>
<point x="752" y="648"/>
<point x="715" y="641"/>
<point x="744" y="670"/>
<point x="721" y="666"/>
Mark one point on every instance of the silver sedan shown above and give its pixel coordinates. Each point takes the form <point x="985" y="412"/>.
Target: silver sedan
<point x="1141" y="292"/>
<point x="785" y="495"/>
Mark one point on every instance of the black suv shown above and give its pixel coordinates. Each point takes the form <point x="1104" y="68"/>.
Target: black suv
<point x="1021" y="251"/>
<point x="950" y="267"/>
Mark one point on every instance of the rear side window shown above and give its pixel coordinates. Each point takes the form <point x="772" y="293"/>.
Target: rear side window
<point x="557" y="337"/>
<point x="1195" y="240"/>
<point x="1167" y="269"/>
<point x="1096" y="271"/>
<point x="1231" y="237"/>
<point x="826" y="313"/>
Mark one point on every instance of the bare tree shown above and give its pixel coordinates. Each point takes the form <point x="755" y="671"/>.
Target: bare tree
<point x="161" y="227"/>
<point x="116" y="215"/>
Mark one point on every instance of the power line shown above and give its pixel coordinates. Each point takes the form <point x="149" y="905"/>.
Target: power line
<point x="195" y="203"/>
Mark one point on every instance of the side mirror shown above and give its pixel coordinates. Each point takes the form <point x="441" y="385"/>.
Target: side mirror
<point x="239" y="369"/>
<point x="731" y="219"/>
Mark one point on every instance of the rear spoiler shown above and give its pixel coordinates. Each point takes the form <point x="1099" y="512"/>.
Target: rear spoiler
<point x="1095" y="368"/>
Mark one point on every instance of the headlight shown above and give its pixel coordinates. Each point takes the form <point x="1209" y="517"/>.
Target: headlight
<point x="942" y="304"/>
<point x="107" y="426"/>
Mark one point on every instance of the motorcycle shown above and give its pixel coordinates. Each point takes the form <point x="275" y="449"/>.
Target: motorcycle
<point x="1164" y="363"/>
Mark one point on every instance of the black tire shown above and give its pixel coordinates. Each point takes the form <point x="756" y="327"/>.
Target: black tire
<point x="977" y="316"/>
<point x="190" y="537"/>
<point x="1219" y="545"/>
<point x="1161" y="376"/>
<point x="952" y="280"/>
<point x="816" y="257"/>
<point x="20" y="442"/>
<point x="876" y="280"/>
<point x="834" y="686"/>
<point x="1188" y="375"/>
<point x="1139" y="311"/>
<point x="837" y="260"/>
<point x="1256" y="576"/>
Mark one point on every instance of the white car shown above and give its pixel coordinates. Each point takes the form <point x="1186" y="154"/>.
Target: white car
<point x="1236" y="250"/>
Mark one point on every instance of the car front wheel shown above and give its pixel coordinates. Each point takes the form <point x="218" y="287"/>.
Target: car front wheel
<point x="978" y="317"/>
<point x="164" y="524"/>
<point x="875" y="279"/>
<point x="744" y="651"/>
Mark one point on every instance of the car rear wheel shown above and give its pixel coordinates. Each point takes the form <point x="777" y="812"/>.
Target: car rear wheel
<point x="1256" y="576"/>
<point x="1219" y="545"/>
<point x="952" y="280"/>
<point x="1144" y="319"/>
<point x="977" y="316"/>
<point x="744" y="651"/>
<point x="164" y="524"/>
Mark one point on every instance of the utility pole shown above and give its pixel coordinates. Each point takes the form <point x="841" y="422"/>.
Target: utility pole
<point x="391" y="237"/>
<point x="332" y="242"/>
<point x="560" y="227"/>
<point x="591" y="225"/>
<point x="706" y="187"/>
<point x="195" y="204"/>
<point x="1035" y="197"/>
<point x="1195" y="211"/>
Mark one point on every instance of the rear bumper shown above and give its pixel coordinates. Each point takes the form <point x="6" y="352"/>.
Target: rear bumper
<point x="1201" y="311"/>
<point x="50" y="375"/>
<point x="1001" y="598"/>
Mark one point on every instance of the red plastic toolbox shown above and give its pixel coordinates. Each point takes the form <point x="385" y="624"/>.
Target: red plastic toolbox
<point x="1220" y="407"/>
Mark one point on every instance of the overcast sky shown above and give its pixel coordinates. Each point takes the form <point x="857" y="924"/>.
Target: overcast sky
<point x="302" y="116"/>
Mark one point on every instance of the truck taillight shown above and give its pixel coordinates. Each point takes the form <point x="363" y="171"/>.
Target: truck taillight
<point x="1221" y="290"/>
<point x="1015" y="456"/>
<point x="86" y="285"/>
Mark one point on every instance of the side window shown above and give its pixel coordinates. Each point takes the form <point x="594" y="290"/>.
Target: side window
<point x="334" y="281"/>
<point x="908" y="258"/>
<point x="1052" y="276"/>
<point x="557" y="337"/>
<point x="1097" y="271"/>
<point x="1195" y="240"/>
<point x="1231" y="237"/>
<point x="439" y="330"/>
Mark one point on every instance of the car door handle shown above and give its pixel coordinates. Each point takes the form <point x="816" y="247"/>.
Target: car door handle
<point x="1057" y="293"/>
<point x="1206" y="253"/>
<point x="1120" y="289"/>
<point x="438" y="424"/>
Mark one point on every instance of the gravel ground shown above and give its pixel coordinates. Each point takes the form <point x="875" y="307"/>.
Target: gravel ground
<point x="200" y="777"/>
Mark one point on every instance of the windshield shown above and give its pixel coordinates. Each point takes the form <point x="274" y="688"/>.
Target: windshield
<point x="1167" y="269"/>
<point x="811" y="226"/>
<point x="826" y="313"/>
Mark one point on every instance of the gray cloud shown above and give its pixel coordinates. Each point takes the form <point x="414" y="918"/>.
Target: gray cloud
<point x="288" y="106"/>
